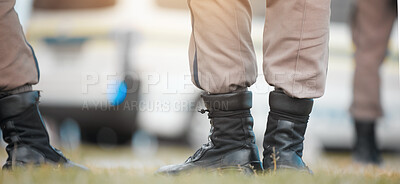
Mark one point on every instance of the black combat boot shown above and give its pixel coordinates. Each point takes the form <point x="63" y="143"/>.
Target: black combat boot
<point x="283" y="139"/>
<point x="365" y="150"/>
<point x="231" y="141"/>
<point x="25" y="133"/>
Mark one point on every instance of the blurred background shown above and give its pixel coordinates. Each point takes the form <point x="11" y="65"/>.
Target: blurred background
<point x="115" y="78"/>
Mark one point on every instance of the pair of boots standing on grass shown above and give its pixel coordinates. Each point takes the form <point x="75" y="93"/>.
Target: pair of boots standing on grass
<point x="223" y="64"/>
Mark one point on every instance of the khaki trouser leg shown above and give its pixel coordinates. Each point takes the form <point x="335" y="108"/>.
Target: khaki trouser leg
<point x="221" y="52"/>
<point x="373" y="21"/>
<point x="18" y="65"/>
<point x="296" y="37"/>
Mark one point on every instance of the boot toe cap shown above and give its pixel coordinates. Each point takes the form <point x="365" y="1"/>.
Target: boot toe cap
<point x="173" y="169"/>
<point x="73" y="165"/>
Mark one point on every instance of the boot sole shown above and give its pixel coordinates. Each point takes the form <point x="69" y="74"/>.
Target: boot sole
<point x="247" y="169"/>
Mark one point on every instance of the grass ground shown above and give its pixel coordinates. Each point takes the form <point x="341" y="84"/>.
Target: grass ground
<point x="122" y="165"/>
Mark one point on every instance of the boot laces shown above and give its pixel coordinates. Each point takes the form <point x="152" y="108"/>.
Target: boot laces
<point x="211" y="115"/>
<point x="202" y="111"/>
<point x="205" y="146"/>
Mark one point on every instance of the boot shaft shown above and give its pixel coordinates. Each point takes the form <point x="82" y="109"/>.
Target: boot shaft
<point x="230" y="118"/>
<point x="21" y="121"/>
<point x="23" y="127"/>
<point x="13" y="105"/>
<point x="231" y="140"/>
<point x="365" y="148"/>
<point x="229" y="101"/>
<point x="365" y="132"/>
<point x="287" y="123"/>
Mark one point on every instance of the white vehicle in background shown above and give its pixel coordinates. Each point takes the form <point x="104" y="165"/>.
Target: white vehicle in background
<point x="78" y="69"/>
<point x="86" y="74"/>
